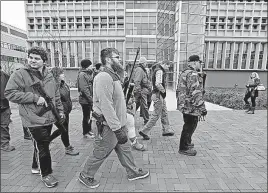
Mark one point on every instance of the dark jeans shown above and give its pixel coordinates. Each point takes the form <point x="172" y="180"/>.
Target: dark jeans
<point x="253" y="99"/>
<point x="64" y="135"/>
<point x="86" y="108"/>
<point x="190" y="124"/>
<point x="4" y="123"/>
<point x="41" y="140"/>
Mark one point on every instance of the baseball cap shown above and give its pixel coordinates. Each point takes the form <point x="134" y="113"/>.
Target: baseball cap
<point x="142" y="60"/>
<point x="194" y="58"/>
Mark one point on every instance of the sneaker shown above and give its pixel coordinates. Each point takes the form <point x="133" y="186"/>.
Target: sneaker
<point x="89" y="182"/>
<point x="8" y="148"/>
<point x="36" y="171"/>
<point x="50" y="181"/>
<point x="138" y="146"/>
<point x="145" y="137"/>
<point x="168" y="132"/>
<point x="91" y="133"/>
<point x="71" y="151"/>
<point x="88" y="136"/>
<point x="140" y="175"/>
<point x="189" y="152"/>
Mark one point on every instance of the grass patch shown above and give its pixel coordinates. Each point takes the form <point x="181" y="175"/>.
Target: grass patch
<point x="233" y="97"/>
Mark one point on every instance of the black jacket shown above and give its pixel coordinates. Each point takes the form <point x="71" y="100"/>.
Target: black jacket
<point x="65" y="97"/>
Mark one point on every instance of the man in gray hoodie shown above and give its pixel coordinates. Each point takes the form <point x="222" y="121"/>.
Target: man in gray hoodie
<point x="109" y="102"/>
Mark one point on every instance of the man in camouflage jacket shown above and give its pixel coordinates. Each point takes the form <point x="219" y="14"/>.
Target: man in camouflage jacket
<point x="190" y="102"/>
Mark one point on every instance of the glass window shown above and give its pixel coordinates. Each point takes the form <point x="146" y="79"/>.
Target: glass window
<point x="56" y="53"/>
<point x="64" y="54"/>
<point x="71" y="50"/>
<point x="260" y="56"/>
<point x="219" y="57"/>
<point x="79" y="52"/>
<point x="252" y="55"/>
<point x="244" y="55"/>
<point x="95" y="52"/>
<point x="228" y="55"/>
<point x="211" y="54"/>
<point x="119" y="47"/>
<point x="87" y="50"/>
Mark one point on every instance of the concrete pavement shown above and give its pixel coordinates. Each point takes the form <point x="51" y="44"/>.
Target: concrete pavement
<point x="231" y="146"/>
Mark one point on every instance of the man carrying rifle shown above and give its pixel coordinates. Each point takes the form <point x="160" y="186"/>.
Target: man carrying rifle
<point x="24" y="88"/>
<point x="142" y="89"/>
<point x="158" y="97"/>
<point x="109" y="123"/>
<point x="190" y="102"/>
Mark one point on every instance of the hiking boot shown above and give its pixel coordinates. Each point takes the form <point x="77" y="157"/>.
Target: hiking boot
<point x="251" y="110"/>
<point x="87" y="181"/>
<point x="71" y="151"/>
<point x="50" y="181"/>
<point x="167" y="132"/>
<point x="140" y="175"/>
<point x="145" y="137"/>
<point x="8" y="148"/>
<point x="191" y="145"/>
<point x="136" y="145"/>
<point x="189" y="152"/>
<point x="36" y="171"/>
<point x="27" y="137"/>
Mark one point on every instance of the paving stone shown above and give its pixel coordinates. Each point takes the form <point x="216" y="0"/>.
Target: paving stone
<point x="230" y="157"/>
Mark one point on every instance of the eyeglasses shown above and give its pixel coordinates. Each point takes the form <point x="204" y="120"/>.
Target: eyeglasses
<point x="116" y="57"/>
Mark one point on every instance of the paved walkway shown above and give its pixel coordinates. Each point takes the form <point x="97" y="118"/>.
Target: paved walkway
<point x="231" y="146"/>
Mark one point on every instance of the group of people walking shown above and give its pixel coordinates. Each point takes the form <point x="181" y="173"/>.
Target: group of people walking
<point x="106" y="116"/>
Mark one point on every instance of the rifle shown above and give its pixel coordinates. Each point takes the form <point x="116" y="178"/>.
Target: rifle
<point x="38" y="87"/>
<point x="126" y="85"/>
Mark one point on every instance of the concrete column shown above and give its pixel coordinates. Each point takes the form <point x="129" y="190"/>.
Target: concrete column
<point x="91" y="50"/>
<point x="207" y="54"/>
<point x="60" y="54"/>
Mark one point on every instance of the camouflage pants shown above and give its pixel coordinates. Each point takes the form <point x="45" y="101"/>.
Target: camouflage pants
<point x="160" y="110"/>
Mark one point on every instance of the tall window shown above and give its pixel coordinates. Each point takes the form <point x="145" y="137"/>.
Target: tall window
<point x="87" y="50"/>
<point x="236" y="55"/>
<point x="95" y="52"/>
<point x="220" y="52"/>
<point x="79" y="52"/>
<point x="71" y="49"/>
<point x="244" y="56"/>
<point x="211" y="54"/>
<point x="260" y="56"/>
<point x="119" y="47"/>
<point x="56" y="54"/>
<point x="64" y="54"/>
<point x="228" y="55"/>
<point x="252" y="55"/>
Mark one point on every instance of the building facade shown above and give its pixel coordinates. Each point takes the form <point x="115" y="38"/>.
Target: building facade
<point x="229" y="36"/>
<point x="13" y="47"/>
<point x="73" y="30"/>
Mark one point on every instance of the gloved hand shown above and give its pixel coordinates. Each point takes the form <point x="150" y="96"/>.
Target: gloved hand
<point x="62" y="118"/>
<point x="163" y="95"/>
<point x="121" y="135"/>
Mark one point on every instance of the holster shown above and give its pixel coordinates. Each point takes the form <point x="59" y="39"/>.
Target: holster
<point x="99" y="122"/>
<point x="43" y="111"/>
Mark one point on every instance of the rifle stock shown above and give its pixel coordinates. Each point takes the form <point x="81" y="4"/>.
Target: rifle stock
<point x="37" y="86"/>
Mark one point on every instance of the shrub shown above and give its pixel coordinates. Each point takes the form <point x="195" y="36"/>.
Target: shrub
<point x="233" y="97"/>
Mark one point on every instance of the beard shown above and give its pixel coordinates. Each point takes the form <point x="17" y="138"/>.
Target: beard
<point x="118" y="68"/>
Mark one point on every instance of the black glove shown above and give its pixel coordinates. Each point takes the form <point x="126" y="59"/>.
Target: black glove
<point x="204" y="112"/>
<point x="121" y="135"/>
<point x="163" y="95"/>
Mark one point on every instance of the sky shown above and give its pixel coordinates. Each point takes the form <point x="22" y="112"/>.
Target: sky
<point x="13" y="13"/>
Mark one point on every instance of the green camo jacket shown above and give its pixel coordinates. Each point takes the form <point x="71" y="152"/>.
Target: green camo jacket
<point x="190" y="99"/>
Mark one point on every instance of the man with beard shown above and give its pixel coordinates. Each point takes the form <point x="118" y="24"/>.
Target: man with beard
<point x="20" y="89"/>
<point x="160" y="108"/>
<point x="142" y="89"/>
<point x="190" y="102"/>
<point x="109" y="103"/>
